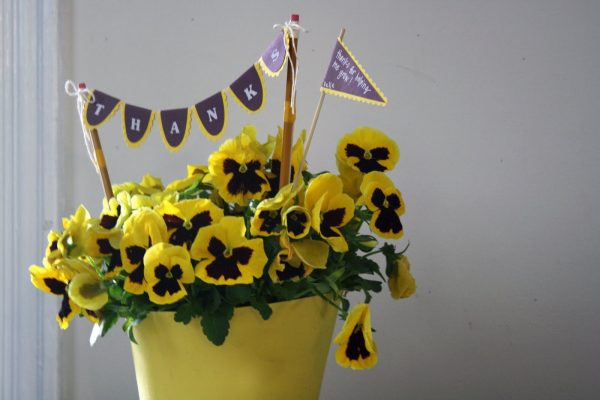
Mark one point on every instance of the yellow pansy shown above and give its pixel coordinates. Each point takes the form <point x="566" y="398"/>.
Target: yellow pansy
<point x="186" y="217"/>
<point x="357" y="349"/>
<point x="144" y="229"/>
<point x="330" y="209"/>
<point x="401" y="282"/>
<point x="225" y="256"/>
<point x="166" y="269"/>
<point x="71" y="242"/>
<point x="115" y="211"/>
<point x="88" y="291"/>
<point x="385" y="201"/>
<point x="54" y="281"/>
<point x="297" y="221"/>
<point x="100" y="242"/>
<point x="367" y="149"/>
<point x="52" y="251"/>
<point x="237" y="170"/>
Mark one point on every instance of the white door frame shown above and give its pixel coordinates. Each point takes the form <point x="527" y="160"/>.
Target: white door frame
<point x="31" y="171"/>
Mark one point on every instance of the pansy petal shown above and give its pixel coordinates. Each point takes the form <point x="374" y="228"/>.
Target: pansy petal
<point x="312" y="252"/>
<point x="87" y="291"/>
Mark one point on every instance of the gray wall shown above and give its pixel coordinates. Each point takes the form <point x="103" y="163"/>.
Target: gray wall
<point x="495" y="108"/>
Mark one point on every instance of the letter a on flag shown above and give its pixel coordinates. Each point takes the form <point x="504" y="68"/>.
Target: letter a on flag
<point x="345" y="77"/>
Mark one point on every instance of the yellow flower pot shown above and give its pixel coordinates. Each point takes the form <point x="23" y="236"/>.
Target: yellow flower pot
<point x="281" y="358"/>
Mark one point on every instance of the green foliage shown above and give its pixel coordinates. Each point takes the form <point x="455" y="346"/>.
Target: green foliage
<point x="215" y="324"/>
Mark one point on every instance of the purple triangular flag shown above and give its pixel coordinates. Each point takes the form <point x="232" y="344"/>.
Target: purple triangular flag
<point x="99" y="108"/>
<point x="345" y="77"/>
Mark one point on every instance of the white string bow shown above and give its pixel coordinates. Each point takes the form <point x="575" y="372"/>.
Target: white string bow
<point x="83" y="95"/>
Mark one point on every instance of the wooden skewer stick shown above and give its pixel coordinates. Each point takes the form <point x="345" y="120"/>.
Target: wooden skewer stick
<point x="102" y="165"/>
<point x="312" y="130"/>
<point x="289" y="114"/>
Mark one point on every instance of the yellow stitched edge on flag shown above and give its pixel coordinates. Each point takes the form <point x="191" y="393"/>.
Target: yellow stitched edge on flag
<point x="354" y="97"/>
<point x="225" y="116"/>
<point x="144" y="135"/>
<point x="264" y="91"/>
<point x="109" y="116"/>
<point x="185" y="135"/>
<point x="266" y="69"/>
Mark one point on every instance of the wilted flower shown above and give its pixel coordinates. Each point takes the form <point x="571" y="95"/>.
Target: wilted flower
<point x="401" y="282"/>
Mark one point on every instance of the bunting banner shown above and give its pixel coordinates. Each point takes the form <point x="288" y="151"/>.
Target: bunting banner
<point x="249" y="89"/>
<point x="346" y="78"/>
<point x="211" y="114"/>
<point x="175" y="127"/>
<point x="100" y="108"/>
<point x="273" y="58"/>
<point x="136" y="124"/>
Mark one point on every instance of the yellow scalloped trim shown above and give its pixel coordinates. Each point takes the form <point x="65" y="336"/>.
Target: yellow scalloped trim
<point x="109" y="116"/>
<point x="354" y="97"/>
<point x="204" y="130"/>
<point x="266" y="69"/>
<point x="264" y="89"/>
<point x="144" y="135"/>
<point x="188" y="124"/>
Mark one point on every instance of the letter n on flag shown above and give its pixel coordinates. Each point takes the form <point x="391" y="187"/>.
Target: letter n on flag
<point x="345" y="77"/>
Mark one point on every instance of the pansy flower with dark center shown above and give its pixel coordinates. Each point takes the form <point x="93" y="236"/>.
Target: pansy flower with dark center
<point x="185" y="218"/>
<point x="167" y="268"/>
<point x="144" y="229"/>
<point x="385" y="201"/>
<point x="330" y="209"/>
<point x="54" y="281"/>
<point x="115" y="211"/>
<point x="52" y="251"/>
<point x="105" y="243"/>
<point x="225" y="256"/>
<point x="237" y="170"/>
<point x="296" y="220"/>
<point x="366" y="150"/>
<point x="357" y="349"/>
<point x="268" y="220"/>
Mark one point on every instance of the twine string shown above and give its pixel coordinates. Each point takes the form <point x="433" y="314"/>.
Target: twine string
<point x="83" y="95"/>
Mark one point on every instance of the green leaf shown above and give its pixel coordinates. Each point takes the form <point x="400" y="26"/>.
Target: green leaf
<point x="109" y="319"/>
<point x="184" y="313"/>
<point x="238" y="294"/>
<point x="262" y="306"/>
<point x="215" y="325"/>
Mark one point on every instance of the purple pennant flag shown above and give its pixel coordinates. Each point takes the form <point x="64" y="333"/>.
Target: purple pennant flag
<point x="174" y="125"/>
<point x="137" y="122"/>
<point x="345" y="77"/>
<point x="248" y="89"/>
<point x="212" y="115"/>
<point x="273" y="58"/>
<point x="100" y="109"/>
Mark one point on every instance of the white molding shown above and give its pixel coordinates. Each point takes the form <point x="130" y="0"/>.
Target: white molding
<point x="30" y="170"/>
